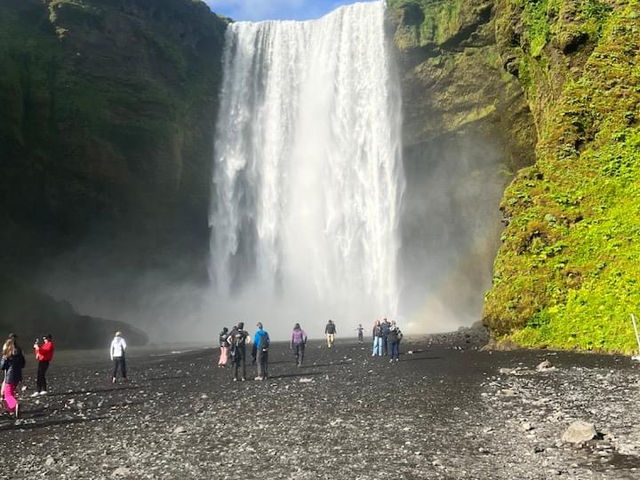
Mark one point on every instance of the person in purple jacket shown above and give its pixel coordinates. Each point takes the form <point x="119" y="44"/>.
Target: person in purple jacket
<point x="298" y="341"/>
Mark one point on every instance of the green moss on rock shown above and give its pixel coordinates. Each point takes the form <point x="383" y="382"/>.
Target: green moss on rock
<point x="566" y="275"/>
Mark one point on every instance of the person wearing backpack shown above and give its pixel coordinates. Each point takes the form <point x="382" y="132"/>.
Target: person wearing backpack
<point x="298" y="343"/>
<point x="395" y="335"/>
<point x="237" y="341"/>
<point x="261" y="341"/>
<point x="224" y="347"/>
<point x="11" y="363"/>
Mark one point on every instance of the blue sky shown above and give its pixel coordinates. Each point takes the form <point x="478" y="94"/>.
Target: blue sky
<point x="275" y="9"/>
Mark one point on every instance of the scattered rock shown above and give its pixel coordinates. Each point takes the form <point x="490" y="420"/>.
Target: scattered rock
<point x="579" y="432"/>
<point x="50" y="461"/>
<point x="305" y="380"/>
<point x="180" y="429"/>
<point x="120" y="472"/>
<point x="545" y="366"/>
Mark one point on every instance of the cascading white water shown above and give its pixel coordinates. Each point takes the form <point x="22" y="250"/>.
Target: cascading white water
<point x="307" y="176"/>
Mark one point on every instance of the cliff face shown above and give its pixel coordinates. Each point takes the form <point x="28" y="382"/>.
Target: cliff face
<point x="566" y="275"/>
<point x="105" y="151"/>
<point x="105" y="137"/>
<point x="566" y="272"/>
<point x="467" y="128"/>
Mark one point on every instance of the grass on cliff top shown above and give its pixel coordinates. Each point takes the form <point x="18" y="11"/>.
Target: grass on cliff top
<point x="568" y="273"/>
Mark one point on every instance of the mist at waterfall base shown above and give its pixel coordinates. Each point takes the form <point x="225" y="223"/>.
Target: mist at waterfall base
<point x="317" y="212"/>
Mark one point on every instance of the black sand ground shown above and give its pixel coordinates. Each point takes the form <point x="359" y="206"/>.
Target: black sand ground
<point x="441" y="412"/>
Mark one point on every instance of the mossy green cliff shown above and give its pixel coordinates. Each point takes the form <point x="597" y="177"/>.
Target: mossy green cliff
<point x="566" y="274"/>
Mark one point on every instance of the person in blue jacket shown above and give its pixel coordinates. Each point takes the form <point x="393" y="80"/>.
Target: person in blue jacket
<point x="261" y="342"/>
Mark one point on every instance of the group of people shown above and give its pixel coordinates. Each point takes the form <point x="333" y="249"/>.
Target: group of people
<point x="386" y="339"/>
<point x="233" y="346"/>
<point x="12" y="363"/>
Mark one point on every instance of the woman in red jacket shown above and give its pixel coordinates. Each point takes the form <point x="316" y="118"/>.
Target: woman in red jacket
<point x="44" y="354"/>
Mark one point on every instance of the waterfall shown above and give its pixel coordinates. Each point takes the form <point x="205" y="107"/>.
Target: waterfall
<point x="307" y="176"/>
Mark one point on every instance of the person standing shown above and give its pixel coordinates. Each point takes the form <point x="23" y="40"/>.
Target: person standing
<point x="117" y="351"/>
<point x="395" y="335"/>
<point x="44" y="354"/>
<point x="384" y="326"/>
<point x="330" y="331"/>
<point x="298" y="343"/>
<point x="237" y="341"/>
<point x="377" y="339"/>
<point x="224" y="348"/>
<point x="11" y="363"/>
<point x="261" y="341"/>
<point x="360" y="330"/>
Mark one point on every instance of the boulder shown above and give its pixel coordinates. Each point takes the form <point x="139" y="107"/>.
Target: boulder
<point x="579" y="432"/>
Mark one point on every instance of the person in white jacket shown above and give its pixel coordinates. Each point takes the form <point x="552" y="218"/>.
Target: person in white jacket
<point x="118" y="347"/>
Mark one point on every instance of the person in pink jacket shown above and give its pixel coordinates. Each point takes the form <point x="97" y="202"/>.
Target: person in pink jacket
<point x="298" y="342"/>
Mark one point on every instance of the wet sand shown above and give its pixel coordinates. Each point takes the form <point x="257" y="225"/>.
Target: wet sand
<point x="447" y="411"/>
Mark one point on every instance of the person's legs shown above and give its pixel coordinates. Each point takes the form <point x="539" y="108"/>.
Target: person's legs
<point x="243" y="360"/>
<point x="259" y="355"/>
<point x="123" y="367"/>
<point x="116" y="364"/>
<point x="236" y="365"/>
<point x="41" y="383"/>
<point x="265" y="364"/>
<point x="394" y="350"/>
<point x="9" y="396"/>
<point x="385" y="346"/>
<point x="301" y="358"/>
<point x="296" y="351"/>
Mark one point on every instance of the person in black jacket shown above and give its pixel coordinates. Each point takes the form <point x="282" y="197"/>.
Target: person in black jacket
<point x="237" y="341"/>
<point x="330" y="331"/>
<point x="385" y="326"/>
<point x="12" y="363"/>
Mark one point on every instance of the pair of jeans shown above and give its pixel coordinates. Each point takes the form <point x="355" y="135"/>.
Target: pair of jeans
<point x="119" y="363"/>
<point x="385" y="345"/>
<point x="395" y="350"/>
<point x="41" y="383"/>
<point x="262" y="359"/>
<point x="298" y="349"/>
<point x="377" y="346"/>
<point x="240" y="358"/>
<point x="224" y="355"/>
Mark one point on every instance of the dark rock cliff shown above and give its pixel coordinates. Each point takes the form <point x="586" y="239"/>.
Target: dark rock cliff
<point x="108" y="109"/>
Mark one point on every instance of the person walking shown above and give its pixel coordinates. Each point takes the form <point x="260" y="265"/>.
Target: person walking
<point x="384" y="326"/>
<point x="298" y="343"/>
<point x="117" y="351"/>
<point x="261" y="341"/>
<point x="11" y="363"/>
<point x="44" y="354"/>
<point x="377" y="339"/>
<point x="395" y="335"/>
<point x="330" y="331"/>
<point x="360" y="330"/>
<point x="224" y="348"/>
<point x="237" y="341"/>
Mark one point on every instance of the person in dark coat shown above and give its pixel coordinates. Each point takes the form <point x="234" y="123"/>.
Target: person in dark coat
<point x="385" y="326"/>
<point x="330" y="331"/>
<point x="11" y="363"/>
<point x="238" y="346"/>
<point x="395" y="335"/>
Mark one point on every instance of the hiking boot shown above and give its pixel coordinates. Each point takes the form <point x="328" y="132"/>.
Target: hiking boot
<point x="258" y="379"/>
<point x="43" y="392"/>
<point x="235" y="379"/>
<point x="244" y="379"/>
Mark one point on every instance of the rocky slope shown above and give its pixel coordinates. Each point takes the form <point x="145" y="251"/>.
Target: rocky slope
<point x="566" y="273"/>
